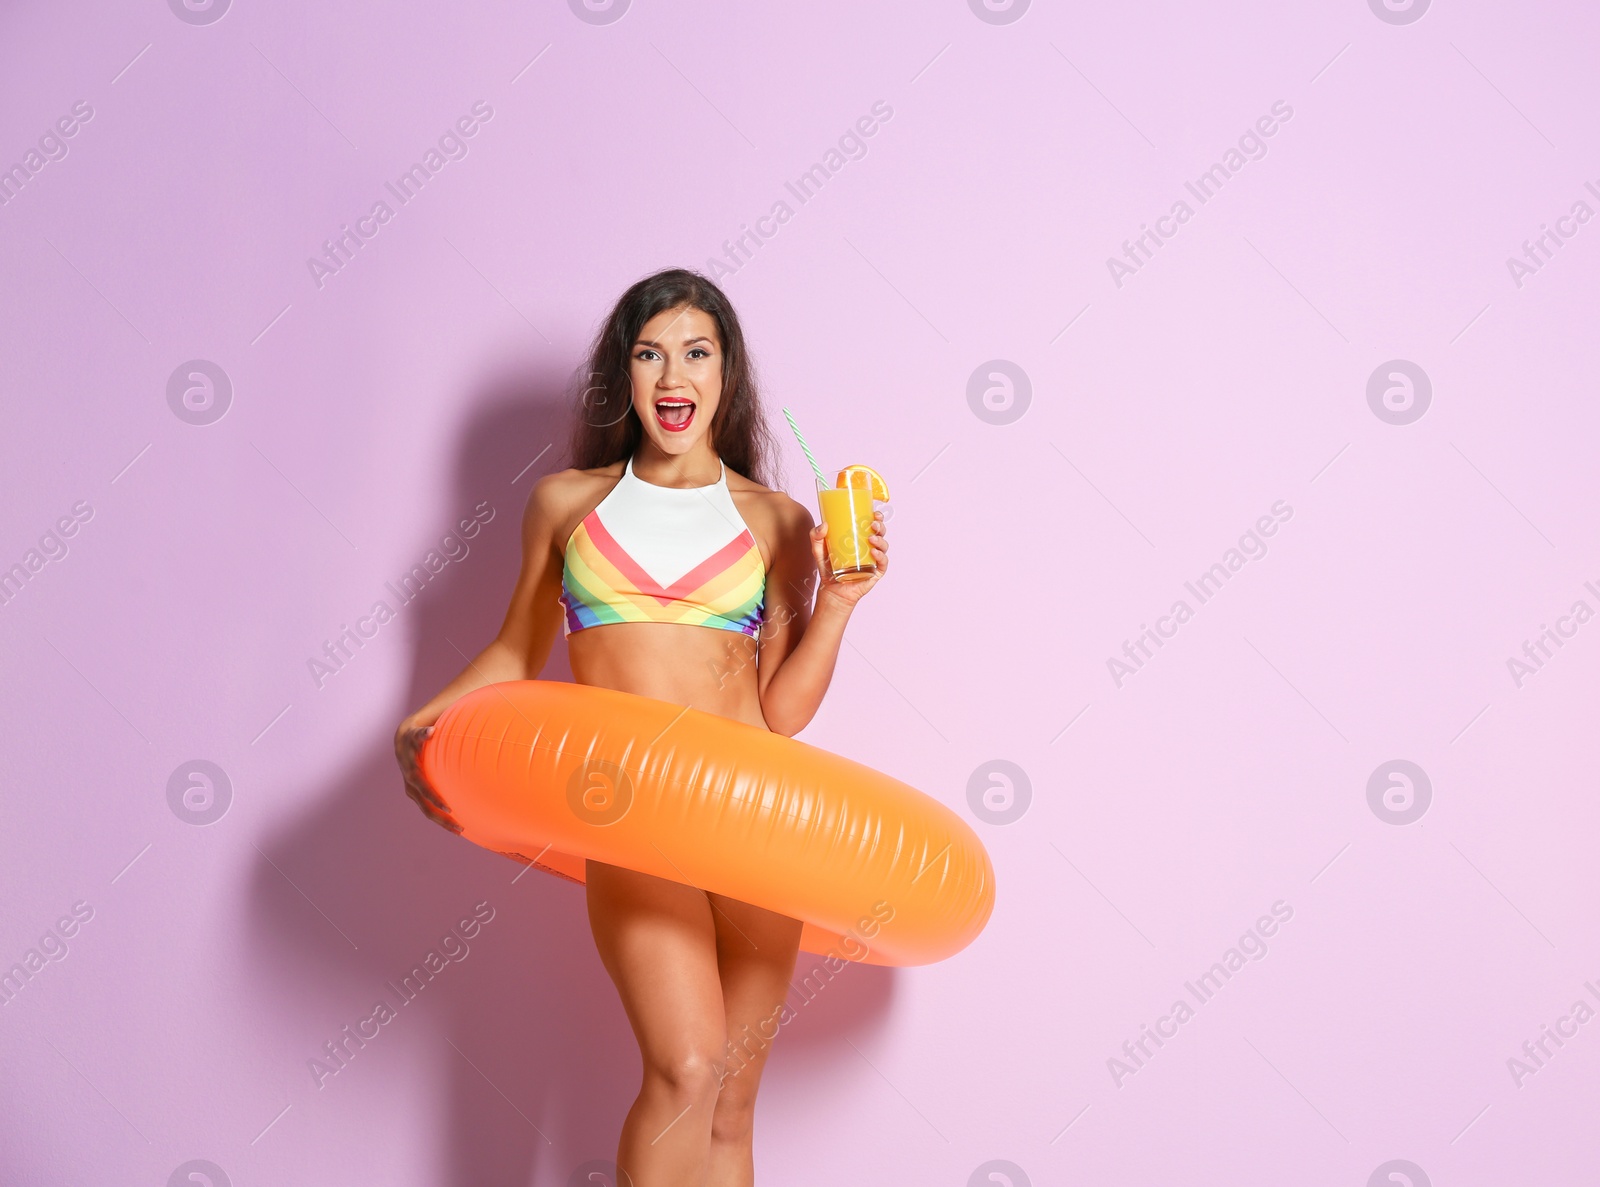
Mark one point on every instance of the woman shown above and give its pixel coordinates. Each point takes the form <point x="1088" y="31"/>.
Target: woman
<point x="663" y="528"/>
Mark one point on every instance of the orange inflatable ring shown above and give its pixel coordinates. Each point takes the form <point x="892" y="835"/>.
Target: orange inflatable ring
<point x="550" y="774"/>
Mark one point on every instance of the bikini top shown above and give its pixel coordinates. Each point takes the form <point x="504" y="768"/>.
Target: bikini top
<point x="653" y="553"/>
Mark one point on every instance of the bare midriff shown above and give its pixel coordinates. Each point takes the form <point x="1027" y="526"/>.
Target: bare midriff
<point x="702" y="667"/>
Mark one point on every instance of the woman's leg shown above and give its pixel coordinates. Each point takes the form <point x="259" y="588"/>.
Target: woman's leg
<point x="755" y="957"/>
<point x="657" y="940"/>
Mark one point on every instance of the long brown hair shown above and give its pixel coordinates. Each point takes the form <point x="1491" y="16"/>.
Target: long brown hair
<point x="606" y="428"/>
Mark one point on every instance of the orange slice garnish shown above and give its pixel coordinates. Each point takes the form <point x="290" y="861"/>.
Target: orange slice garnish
<point x="865" y="478"/>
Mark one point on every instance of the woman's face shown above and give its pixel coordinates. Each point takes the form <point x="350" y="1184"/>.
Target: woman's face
<point x="676" y="368"/>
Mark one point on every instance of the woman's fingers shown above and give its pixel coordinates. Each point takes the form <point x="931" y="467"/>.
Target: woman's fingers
<point x="432" y="807"/>
<point x="877" y="547"/>
<point x="417" y="788"/>
<point x="819" y="551"/>
<point x="879" y="542"/>
<point x="439" y="816"/>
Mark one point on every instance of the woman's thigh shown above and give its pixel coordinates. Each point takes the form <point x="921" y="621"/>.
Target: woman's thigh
<point x="756" y="951"/>
<point x="658" y="941"/>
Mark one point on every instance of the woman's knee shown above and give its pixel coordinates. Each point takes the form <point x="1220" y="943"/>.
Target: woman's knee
<point x="691" y="1075"/>
<point x="733" y="1120"/>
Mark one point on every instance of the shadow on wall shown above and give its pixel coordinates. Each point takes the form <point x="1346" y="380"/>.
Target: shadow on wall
<point x="520" y="1026"/>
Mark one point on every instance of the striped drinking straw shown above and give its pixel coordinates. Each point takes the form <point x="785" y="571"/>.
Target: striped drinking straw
<point x="806" y="449"/>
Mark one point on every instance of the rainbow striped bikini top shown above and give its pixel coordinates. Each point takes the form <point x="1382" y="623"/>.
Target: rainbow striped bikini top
<point x="652" y="553"/>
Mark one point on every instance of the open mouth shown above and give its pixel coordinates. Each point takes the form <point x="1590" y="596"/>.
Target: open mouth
<point x="674" y="414"/>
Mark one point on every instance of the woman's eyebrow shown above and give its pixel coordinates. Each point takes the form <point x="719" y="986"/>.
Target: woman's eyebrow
<point x="648" y="342"/>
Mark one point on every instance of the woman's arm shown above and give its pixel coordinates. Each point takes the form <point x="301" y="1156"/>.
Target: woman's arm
<point x="517" y="652"/>
<point x="799" y="642"/>
<point x="520" y="649"/>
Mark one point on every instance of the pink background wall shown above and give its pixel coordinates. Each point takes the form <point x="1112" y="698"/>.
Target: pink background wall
<point x="1144" y="421"/>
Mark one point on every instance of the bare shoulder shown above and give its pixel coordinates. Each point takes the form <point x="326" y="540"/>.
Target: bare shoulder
<point x="560" y="499"/>
<point x="771" y="514"/>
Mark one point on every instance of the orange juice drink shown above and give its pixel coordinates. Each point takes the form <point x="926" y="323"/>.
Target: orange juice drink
<point x="847" y="512"/>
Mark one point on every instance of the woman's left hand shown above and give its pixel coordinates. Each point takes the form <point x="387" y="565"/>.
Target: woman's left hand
<point x="848" y="593"/>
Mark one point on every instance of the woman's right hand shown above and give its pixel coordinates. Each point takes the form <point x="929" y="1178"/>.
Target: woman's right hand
<point x="408" y="741"/>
